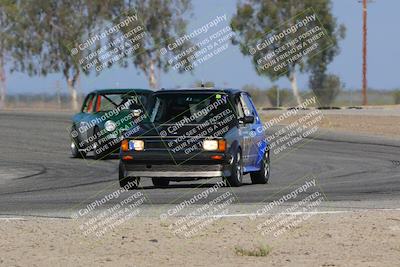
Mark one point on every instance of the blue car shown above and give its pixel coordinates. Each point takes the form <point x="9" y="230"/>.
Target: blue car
<point x="191" y="134"/>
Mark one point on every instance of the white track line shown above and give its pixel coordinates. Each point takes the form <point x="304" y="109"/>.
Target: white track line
<point x="12" y="219"/>
<point x="246" y="214"/>
<point x="301" y="213"/>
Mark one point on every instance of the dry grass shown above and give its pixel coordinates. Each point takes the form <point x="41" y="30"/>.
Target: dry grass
<point x="259" y="251"/>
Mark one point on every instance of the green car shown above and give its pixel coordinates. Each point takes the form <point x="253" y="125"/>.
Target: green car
<point x="104" y="118"/>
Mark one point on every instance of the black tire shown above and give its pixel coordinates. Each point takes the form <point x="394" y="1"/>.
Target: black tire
<point x="128" y="182"/>
<point x="75" y="150"/>
<point x="74" y="145"/>
<point x="160" y="182"/>
<point x="262" y="176"/>
<point x="236" y="178"/>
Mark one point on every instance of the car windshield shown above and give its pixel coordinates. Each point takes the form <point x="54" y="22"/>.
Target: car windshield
<point x="131" y="101"/>
<point x="191" y="108"/>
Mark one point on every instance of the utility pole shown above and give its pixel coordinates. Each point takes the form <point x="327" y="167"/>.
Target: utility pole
<point x="364" y="64"/>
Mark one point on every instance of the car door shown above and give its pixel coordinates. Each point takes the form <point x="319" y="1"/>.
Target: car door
<point x="244" y="129"/>
<point x="257" y="142"/>
<point x="87" y="114"/>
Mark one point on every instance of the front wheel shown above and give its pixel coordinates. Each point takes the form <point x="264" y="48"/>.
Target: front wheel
<point x="262" y="176"/>
<point x="160" y="182"/>
<point x="75" y="150"/>
<point x="236" y="178"/>
<point x="127" y="182"/>
<point x="98" y="152"/>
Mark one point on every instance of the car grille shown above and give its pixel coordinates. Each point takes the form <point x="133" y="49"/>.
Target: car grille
<point x="173" y="144"/>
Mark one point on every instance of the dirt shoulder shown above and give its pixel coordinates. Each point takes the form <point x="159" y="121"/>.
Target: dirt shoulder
<point x="346" y="239"/>
<point x="385" y="123"/>
<point x="388" y="126"/>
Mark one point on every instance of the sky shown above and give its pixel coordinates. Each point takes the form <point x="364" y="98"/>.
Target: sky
<point x="231" y="69"/>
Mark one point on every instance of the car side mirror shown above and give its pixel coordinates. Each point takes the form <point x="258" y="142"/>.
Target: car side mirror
<point x="247" y="119"/>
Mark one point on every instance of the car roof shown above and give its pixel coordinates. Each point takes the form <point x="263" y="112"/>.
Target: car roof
<point x="230" y="91"/>
<point x="121" y="91"/>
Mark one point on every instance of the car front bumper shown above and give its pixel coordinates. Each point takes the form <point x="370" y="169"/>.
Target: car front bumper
<point x="157" y="166"/>
<point x="177" y="171"/>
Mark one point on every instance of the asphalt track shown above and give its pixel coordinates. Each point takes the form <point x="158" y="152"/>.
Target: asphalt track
<point x="38" y="176"/>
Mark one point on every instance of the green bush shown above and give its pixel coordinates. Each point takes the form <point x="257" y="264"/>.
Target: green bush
<point x="396" y="96"/>
<point x="260" y="251"/>
<point x="326" y="87"/>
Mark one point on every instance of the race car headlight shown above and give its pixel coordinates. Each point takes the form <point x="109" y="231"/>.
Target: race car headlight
<point x="137" y="145"/>
<point x="110" y="126"/>
<point x="210" y="145"/>
<point x="214" y="145"/>
<point x="136" y="112"/>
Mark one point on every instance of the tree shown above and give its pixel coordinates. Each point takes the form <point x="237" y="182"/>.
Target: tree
<point x="52" y="30"/>
<point x="164" y="23"/>
<point x="8" y="15"/>
<point x="325" y="87"/>
<point x="257" y="19"/>
<point x="56" y="33"/>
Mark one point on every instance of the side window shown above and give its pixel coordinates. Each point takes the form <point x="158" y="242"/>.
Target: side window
<point x="247" y="108"/>
<point x="88" y="104"/>
<point x="252" y="107"/>
<point x="239" y="108"/>
<point x="103" y="103"/>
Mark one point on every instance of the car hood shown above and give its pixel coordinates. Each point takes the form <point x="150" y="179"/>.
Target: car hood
<point x="163" y="130"/>
<point x="124" y="117"/>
